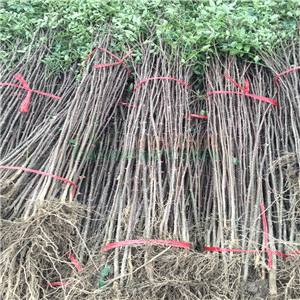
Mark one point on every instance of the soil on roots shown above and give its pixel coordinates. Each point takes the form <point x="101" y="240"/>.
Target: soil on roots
<point x="157" y="272"/>
<point x="34" y="255"/>
<point x="34" y="251"/>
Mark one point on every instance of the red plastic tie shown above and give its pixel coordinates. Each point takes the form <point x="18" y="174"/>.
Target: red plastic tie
<point x="265" y="99"/>
<point x="195" y="116"/>
<point x="246" y="92"/>
<point x="247" y="85"/>
<point x="25" y="103"/>
<point x="170" y="78"/>
<point x="75" y="262"/>
<point x="56" y="284"/>
<point x="293" y="253"/>
<point x="219" y="249"/>
<point x="42" y="173"/>
<point x="289" y="70"/>
<point x="262" y="208"/>
<point x="126" y="104"/>
<point x="135" y="242"/>
<point x="77" y="266"/>
<point x="121" y="61"/>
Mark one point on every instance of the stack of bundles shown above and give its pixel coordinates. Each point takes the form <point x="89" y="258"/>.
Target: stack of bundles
<point x="149" y="195"/>
<point x="18" y="123"/>
<point x="245" y="142"/>
<point x="286" y="169"/>
<point x="28" y="136"/>
<point x="37" y="242"/>
<point x="288" y="93"/>
<point x="83" y="122"/>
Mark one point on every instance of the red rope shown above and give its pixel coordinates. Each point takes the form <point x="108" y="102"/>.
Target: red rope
<point x="246" y="92"/>
<point x="262" y="208"/>
<point x="75" y="262"/>
<point x="121" y="61"/>
<point x="126" y="104"/>
<point x="265" y="99"/>
<point x="25" y="103"/>
<point x="135" y="242"/>
<point x="289" y="70"/>
<point x="219" y="249"/>
<point x="56" y="284"/>
<point x="170" y="78"/>
<point x="77" y="266"/>
<point x="196" y="116"/>
<point x="247" y="85"/>
<point x="266" y="234"/>
<point x="42" y="173"/>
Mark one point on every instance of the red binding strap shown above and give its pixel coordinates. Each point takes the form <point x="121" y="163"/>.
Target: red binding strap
<point x="56" y="284"/>
<point x="42" y="173"/>
<point x="195" y="116"/>
<point x="126" y="104"/>
<point x="266" y="235"/>
<point x="75" y="262"/>
<point x="168" y="78"/>
<point x="289" y="70"/>
<point x="77" y="266"/>
<point x="135" y="242"/>
<point x="246" y="92"/>
<point x="121" y="61"/>
<point x="25" y="103"/>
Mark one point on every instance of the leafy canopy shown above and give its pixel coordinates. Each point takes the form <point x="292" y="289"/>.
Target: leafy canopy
<point x="202" y="27"/>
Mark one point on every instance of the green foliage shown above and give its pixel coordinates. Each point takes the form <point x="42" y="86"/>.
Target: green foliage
<point x="239" y="27"/>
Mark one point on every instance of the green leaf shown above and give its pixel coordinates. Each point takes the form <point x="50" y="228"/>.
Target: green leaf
<point x="256" y="59"/>
<point x="72" y="141"/>
<point x="233" y="44"/>
<point x="235" y="161"/>
<point x="247" y="48"/>
<point x="234" y="52"/>
<point x="205" y="48"/>
<point x="101" y="283"/>
<point x="239" y="46"/>
<point x="105" y="271"/>
<point x="212" y="4"/>
<point x="136" y="19"/>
